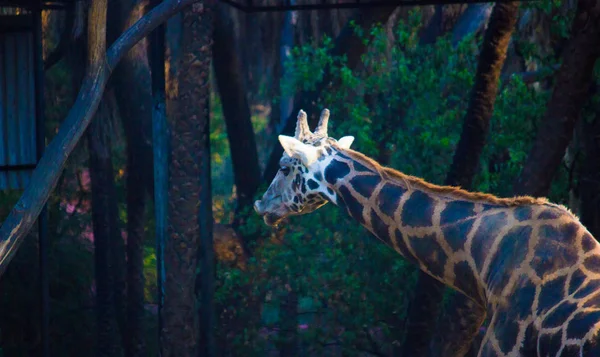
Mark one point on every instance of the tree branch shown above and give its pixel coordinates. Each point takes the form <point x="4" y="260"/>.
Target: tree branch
<point x="45" y="176"/>
<point x="531" y="77"/>
<point x="142" y="27"/>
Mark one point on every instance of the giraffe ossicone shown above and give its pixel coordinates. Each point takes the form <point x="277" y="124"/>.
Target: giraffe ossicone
<point x="529" y="263"/>
<point x="307" y="154"/>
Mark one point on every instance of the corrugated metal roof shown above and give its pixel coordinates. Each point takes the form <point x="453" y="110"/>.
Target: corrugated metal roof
<point x="17" y="108"/>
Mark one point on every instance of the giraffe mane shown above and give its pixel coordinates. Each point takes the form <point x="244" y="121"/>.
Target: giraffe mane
<point x="452" y="191"/>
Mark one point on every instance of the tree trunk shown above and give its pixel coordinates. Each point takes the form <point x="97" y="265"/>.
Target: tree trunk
<point x="288" y="333"/>
<point x="589" y="179"/>
<point x="106" y="231"/>
<point x="425" y="304"/>
<point x="202" y="24"/>
<point x="232" y="89"/>
<point x="458" y="327"/>
<point x="108" y="245"/>
<point x="570" y="91"/>
<point x="160" y="153"/>
<point x="286" y="43"/>
<point x="422" y="316"/>
<point x="483" y="96"/>
<point x="189" y="189"/>
<point x="105" y="177"/>
<point x="132" y="85"/>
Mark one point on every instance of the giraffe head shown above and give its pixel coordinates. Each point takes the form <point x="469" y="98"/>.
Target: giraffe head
<point x="299" y="187"/>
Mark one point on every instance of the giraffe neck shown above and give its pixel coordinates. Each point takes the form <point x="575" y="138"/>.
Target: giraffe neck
<point x="529" y="263"/>
<point x="427" y="228"/>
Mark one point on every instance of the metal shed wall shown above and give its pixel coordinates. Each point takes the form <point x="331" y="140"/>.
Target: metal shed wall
<point x="17" y="109"/>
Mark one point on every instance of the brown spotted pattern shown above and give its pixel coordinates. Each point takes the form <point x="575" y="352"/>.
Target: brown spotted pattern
<point x="531" y="265"/>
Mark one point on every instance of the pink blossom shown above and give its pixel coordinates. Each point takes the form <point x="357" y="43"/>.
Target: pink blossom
<point x="70" y="208"/>
<point x="85" y="179"/>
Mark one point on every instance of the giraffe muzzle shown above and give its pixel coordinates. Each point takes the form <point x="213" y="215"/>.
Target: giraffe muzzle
<point x="270" y="219"/>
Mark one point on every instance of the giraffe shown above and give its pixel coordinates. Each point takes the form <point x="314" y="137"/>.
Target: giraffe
<point x="529" y="263"/>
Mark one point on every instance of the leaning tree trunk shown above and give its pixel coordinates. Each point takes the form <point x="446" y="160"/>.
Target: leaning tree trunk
<point x="426" y="300"/>
<point x="132" y="85"/>
<point x="571" y="89"/>
<point x="189" y="190"/>
<point x="483" y="96"/>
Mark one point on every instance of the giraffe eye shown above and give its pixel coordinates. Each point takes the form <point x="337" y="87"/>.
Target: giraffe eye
<point x="285" y="170"/>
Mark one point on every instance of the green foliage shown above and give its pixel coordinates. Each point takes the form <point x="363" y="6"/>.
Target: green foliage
<point x="344" y="279"/>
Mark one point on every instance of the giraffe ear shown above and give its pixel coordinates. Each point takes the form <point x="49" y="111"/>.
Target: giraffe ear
<point x="308" y="154"/>
<point x="346" y="141"/>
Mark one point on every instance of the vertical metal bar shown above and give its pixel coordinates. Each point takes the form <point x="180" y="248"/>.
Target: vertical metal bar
<point x="160" y="137"/>
<point x="40" y="147"/>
